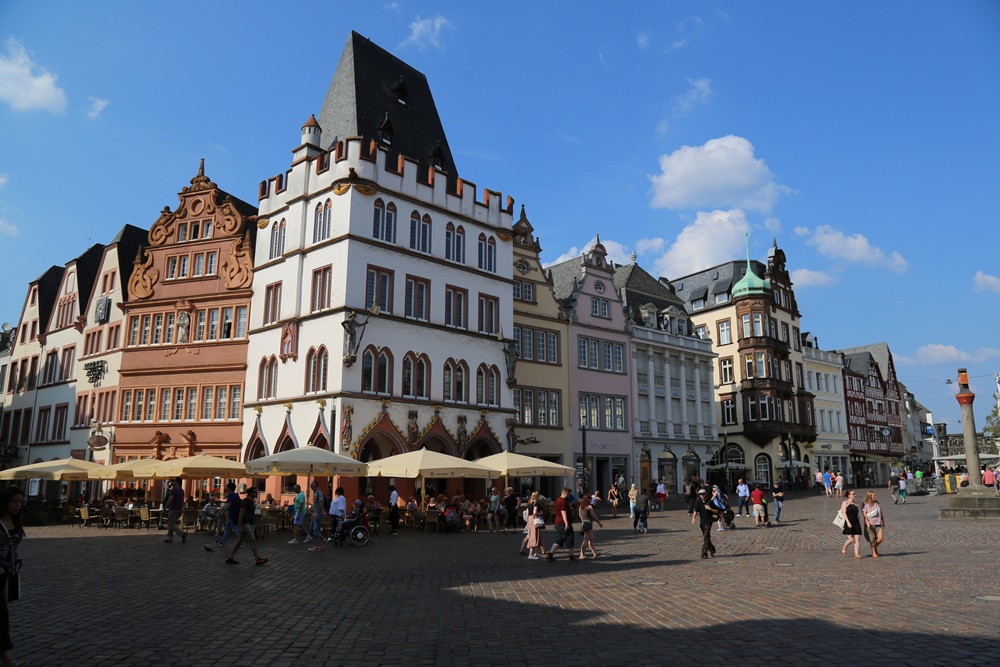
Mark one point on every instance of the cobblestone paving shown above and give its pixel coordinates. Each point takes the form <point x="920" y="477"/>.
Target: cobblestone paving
<point x="775" y="595"/>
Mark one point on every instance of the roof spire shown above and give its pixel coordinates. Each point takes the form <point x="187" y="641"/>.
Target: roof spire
<point x="201" y="167"/>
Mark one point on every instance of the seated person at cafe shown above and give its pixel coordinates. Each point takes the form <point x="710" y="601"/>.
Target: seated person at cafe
<point x="269" y="500"/>
<point x="372" y="507"/>
<point x="356" y="516"/>
<point x="470" y="514"/>
<point x="411" y="506"/>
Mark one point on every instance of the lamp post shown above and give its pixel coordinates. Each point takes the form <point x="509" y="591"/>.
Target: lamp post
<point x="965" y="398"/>
<point x="583" y="482"/>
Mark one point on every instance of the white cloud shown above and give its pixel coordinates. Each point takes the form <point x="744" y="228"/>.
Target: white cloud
<point x="936" y="353"/>
<point x="677" y="45"/>
<point x="393" y="7"/>
<point x="642" y="246"/>
<point x="426" y="32"/>
<point x="772" y="225"/>
<point x="721" y="174"/>
<point x="618" y="253"/>
<point x="8" y="228"/>
<point x="837" y="245"/>
<point x="697" y="93"/>
<point x="711" y="239"/>
<point x="810" y="278"/>
<point x="26" y="86"/>
<point x="663" y="126"/>
<point x="97" y="105"/>
<point x="3" y="179"/>
<point x="982" y="281"/>
<point x="642" y="39"/>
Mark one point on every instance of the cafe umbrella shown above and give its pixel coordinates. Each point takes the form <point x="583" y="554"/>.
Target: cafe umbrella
<point x="62" y="469"/>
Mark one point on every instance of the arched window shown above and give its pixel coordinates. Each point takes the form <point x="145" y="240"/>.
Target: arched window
<point x="389" y="235"/>
<point x="384" y="369"/>
<point x="454" y="243"/>
<point x="378" y="221"/>
<point x="461" y="392"/>
<point x="492" y="386"/>
<point x="277" y="248"/>
<point x="481" y="386"/>
<point x="322" y="221"/>
<point x="447" y="375"/>
<point x="384" y="223"/>
<point x="422" y="379"/>
<point x="262" y="379"/>
<point x="487" y="253"/>
<point x="376" y="371"/>
<point x="267" y="378"/>
<point x="408" y="388"/>
<point x="272" y="372"/>
<point x="420" y="233"/>
<point x="368" y="371"/>
<point x="762" y="469"/>
<point x="316" y="367"/>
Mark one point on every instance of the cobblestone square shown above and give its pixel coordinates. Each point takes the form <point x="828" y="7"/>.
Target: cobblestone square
<point x="774" y="595"/>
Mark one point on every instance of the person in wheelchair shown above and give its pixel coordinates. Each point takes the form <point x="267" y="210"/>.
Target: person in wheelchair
<point x="345" y="524"/>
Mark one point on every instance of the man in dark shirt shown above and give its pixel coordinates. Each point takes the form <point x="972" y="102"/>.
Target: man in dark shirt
<point x="175" y="507"/>
<point x="563" y="525"/>
<point x="708" y="516"/>
<point x="640" y="522"/>
<point x="232" y="510"/>
<point x="894" y="487"/>
<point x="248" y="512"/>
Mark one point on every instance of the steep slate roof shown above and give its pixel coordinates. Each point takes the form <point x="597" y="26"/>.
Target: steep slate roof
<point x="564" y="274"/>
<point x="87" y="266"/>
<point x="364" y="95"/>
<point x="126" y="245"/>
<point x="638" y="288"/>
<point x="877" y="351"/>
<point x="858" y="361"/>
<point x="702" y="285"/>
<point x="48" y="288"/>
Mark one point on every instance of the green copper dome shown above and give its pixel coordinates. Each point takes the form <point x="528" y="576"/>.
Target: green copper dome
<point x="750" y="284"/>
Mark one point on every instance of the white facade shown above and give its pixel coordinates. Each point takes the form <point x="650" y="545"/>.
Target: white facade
<point x="824" y="380"/>
<point x="319" y="248"/>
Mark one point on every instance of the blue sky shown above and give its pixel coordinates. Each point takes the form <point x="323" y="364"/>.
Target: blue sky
<point x="863" y="136"/>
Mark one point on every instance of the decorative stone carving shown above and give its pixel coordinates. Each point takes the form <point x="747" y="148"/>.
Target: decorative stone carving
<point x="346" y="430"/>
<point x="289" y="342"/>
<point x="412" y="429"/>
<point x="229" y="221"/>
<point x="144" y="276"/>
<point x="162" y="228"/>
<point x="237" y="269"/>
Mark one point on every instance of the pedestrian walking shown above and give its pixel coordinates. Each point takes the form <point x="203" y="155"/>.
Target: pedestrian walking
<point x="778" y="496"/>
<point x="511" y="502"/>
<point x="818" y="481"/>
<point x="11" y="506"/>
<point x="691" y="493"/>
<point x="393" y="510"/>
<point x="248" y="513"/>
<point x="614" y="497"/>
<point x="743" y="493"/>
<point x="529" y="511"/>
<point x="318" y="513"/>
<point x="633" y="493"/>
<point x="536" y="523"/>
<point x="894" y="486"/>
<point x="493" y="511"/>
<point x="707" y="515"/>
<point x="298" y="515"/>
<point x="828" y="483"/>
<point x="661" y="495"/>
<point x="563" y="526"/>
<point x="852" y="524"/>
<point x="838" y="484"/>
<point x="175" y="507"/>
<point x="232" y="513"/>
<point x="903" y="482"/>
<point x="720" y="503"/>
<point x="757" y="499"/>
<point x="874" y="522"/>
<point x="587" y="518"/>
<point x="640" y="521"/>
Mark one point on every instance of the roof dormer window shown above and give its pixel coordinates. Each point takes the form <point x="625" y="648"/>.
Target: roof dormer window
<point x="385" y="131"/>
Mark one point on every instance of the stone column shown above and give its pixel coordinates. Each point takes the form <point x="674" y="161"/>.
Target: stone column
<point x="965" y="398"/>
